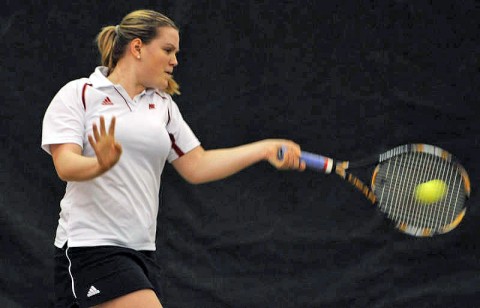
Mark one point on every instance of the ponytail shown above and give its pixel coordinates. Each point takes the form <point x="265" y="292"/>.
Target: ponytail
<point x="106" y="46"/>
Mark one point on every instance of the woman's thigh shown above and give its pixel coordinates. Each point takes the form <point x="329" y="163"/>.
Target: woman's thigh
<point x="139" y="299"/>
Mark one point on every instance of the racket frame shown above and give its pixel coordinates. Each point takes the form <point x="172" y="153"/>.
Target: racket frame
<point x="328" y="165"/>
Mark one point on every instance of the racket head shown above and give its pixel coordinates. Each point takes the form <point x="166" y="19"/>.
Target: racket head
<point x="399" y="173"/>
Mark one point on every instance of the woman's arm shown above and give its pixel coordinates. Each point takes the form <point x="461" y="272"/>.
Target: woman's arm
<point x="201" y="166"/>
<point x="71" y="165"/>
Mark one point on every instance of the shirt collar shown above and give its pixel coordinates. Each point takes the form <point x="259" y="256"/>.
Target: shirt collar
<point x="99" y="80"/>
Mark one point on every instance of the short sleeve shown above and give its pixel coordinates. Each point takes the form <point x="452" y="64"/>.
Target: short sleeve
<point x="63" y="121"/>
<point x="182" y="137"/>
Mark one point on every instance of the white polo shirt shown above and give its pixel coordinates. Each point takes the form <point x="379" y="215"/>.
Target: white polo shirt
<point x="119" y="207"/>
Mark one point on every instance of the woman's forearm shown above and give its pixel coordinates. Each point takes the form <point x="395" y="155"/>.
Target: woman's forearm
<point x="221" y="163"/>
<point x="200" y="166"/>
<point x="71" y="165"/>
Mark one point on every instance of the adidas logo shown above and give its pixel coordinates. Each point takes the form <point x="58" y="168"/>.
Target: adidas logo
<point x="107" y="101"/>
<point x="93" y="291"/>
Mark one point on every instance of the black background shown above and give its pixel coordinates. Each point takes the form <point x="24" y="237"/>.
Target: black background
<point x="343" y="78"/>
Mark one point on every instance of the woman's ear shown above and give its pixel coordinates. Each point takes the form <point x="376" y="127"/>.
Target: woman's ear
<point x="136" y="48"/>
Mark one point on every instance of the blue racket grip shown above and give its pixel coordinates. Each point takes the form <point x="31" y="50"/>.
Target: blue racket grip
<point x="313" y="161"/>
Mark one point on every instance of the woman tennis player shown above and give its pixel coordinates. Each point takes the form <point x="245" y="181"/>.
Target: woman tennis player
<point x="109" y="136"/>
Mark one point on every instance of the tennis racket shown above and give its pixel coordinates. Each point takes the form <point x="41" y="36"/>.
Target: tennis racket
<point x="395" y="183"/>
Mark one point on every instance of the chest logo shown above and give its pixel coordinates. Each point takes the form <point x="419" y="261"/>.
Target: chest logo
<point x="107" y="101"/>
<point x="151" y="106"/>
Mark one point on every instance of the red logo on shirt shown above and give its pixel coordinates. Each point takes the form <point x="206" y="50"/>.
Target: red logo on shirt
<point x="107" y="101"/>
<point x="151" y="106"/>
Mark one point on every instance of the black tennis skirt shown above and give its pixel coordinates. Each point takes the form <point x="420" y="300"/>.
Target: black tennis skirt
<point x="88" y="276"/>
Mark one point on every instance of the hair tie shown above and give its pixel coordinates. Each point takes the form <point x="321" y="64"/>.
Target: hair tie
<point x="116" y="29"/>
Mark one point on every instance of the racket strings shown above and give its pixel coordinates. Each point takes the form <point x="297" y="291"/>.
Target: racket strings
<point x="436" y="214"/>
<point x="401" y="174"/>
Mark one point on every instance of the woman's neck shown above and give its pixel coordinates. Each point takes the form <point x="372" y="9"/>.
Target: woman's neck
<point x="126" y="77"/>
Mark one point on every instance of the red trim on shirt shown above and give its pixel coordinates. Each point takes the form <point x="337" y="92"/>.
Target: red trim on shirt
<point x="124" y="99"/>
<point x="83" y="95"/>
<point x="160" y="95"/>
<point x="175" y="146"/>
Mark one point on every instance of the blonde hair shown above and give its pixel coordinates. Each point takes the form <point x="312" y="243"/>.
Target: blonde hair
<point x="143" y="24"/>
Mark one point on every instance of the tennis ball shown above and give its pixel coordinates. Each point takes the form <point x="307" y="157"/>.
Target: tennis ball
<point x="431" y="191"/>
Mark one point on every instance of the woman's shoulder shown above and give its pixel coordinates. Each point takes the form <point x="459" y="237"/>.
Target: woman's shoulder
<point x="76" y="84"/>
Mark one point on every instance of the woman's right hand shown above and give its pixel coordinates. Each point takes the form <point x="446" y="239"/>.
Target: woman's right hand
<point x="107" y="150"/>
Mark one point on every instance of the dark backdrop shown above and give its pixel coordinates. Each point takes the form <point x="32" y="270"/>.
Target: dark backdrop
<point x="344" y="78"/>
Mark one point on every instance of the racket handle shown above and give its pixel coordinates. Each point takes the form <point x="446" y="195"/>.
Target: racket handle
<point x="317" y="162"/>
<point x="313" y="161"/>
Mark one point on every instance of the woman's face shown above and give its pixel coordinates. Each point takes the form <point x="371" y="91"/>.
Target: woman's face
<point x="159" y="57"/>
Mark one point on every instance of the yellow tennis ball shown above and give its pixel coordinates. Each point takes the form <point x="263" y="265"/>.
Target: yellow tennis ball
<point x="431" y="191"/>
